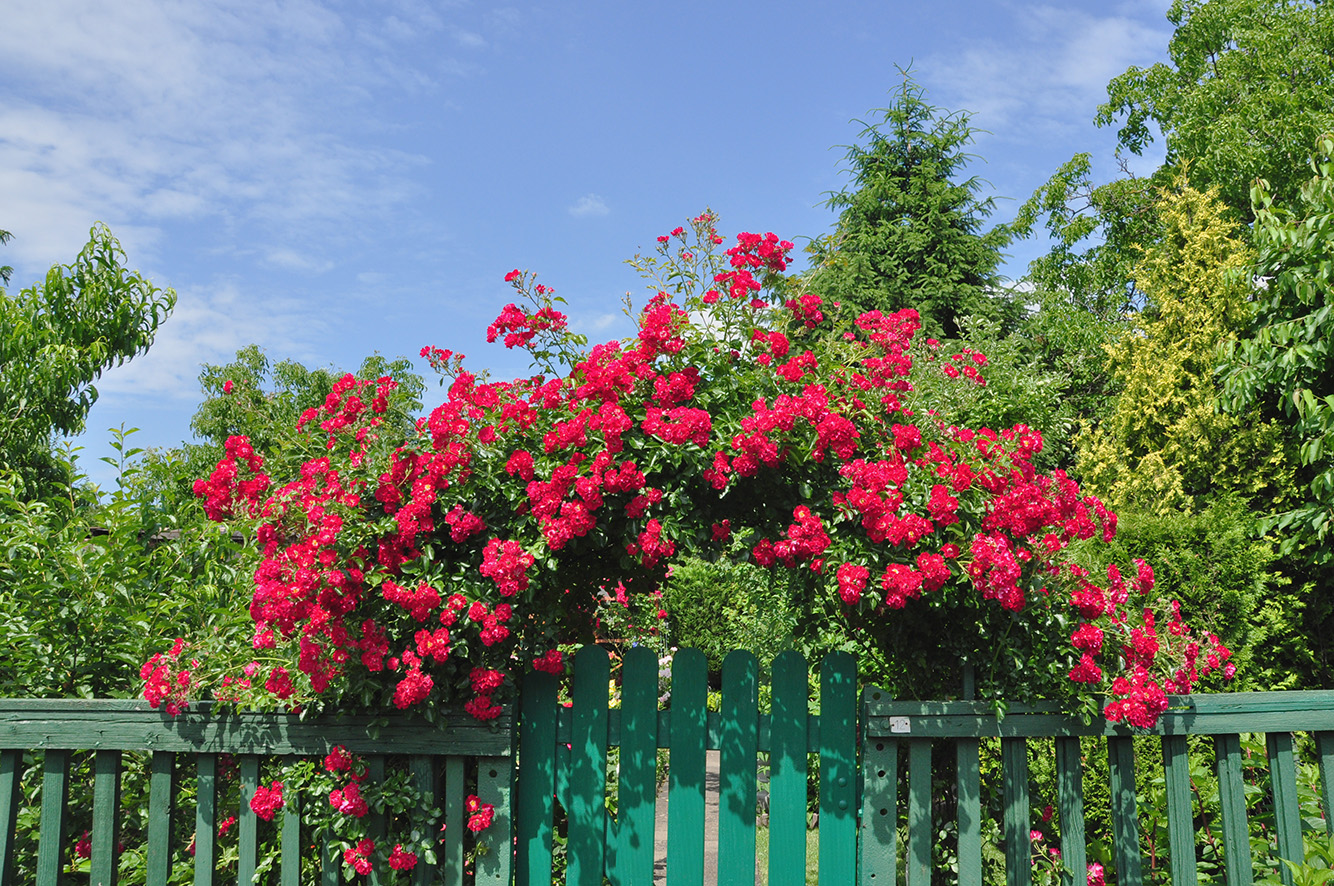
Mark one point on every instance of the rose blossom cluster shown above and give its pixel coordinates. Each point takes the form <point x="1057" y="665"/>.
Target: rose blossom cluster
<point x="422" y="568"/>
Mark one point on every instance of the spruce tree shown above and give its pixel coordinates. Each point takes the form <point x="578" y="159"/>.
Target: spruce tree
<point x="909" y="231"/>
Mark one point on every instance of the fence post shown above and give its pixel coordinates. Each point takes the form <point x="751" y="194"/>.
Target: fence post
<point x="878" y="834"/>
<point x="588" y="768"/>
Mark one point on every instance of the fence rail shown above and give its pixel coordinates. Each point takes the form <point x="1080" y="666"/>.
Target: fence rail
<point x="886" y="778"/>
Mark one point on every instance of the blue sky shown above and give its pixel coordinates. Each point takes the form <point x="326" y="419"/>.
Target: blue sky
<point x="334" y="179"/>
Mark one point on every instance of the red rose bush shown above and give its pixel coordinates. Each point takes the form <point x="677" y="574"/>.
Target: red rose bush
<point x="432" y="571"/>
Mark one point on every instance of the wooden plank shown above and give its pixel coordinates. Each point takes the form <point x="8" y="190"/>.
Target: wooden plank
<point x="55" y="798"/>
<point x="878" y="838"/>
<point x="685" y="774"/>
<point x="377" y="823"/>
<point x="206" y="819"/>
<point x="161" y="807"/>
<point x="104" y="858"/>
<point x="1211" y="714"/>
<point x="421" y="769"/>
<point x="1232" y="805"/>
<point x="917" y="860"/>
<point x="290" y="871"/>
<point x="1287" y="808"/>
<point x="330" y="861"/>
<point x="83" y="724"/>
<point x="456" y="820"/>
<point x="1180" y="816"/>
<point x="788" y="770"/>
<point x="536" y="779"/>
<point x="247" y="825"/>
<point x="736" y="772"/>
<point x="494" y="777"/>
<point x="1125" y="822"/>
<point x="1296" y="703"/>
<point x="838" y="769"/>
<point x="11" y="796"/>
<point x="1014" y="796"/>
<point x="1070" y="801"/>
<point x="968" y="762"/>
<point x="636" y="810"/>
<point x="1324" y="745"/>
<point x="588" y="768"/>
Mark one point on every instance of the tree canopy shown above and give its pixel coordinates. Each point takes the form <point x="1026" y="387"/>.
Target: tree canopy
<point x="60" y="336"/>
<point x="910" y="228"/>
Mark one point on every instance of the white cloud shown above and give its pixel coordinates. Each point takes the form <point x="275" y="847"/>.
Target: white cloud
<point x="1054" y="74"/>
<point x="589" y="206"/>
<point x="251" y="115"/>
<point x="210" y="323"/>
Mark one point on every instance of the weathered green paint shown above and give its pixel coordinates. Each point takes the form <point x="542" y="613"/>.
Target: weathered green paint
<point x="206" y="818"/>
<point x="787" y="770"/>
<point x="1070" y="801"/>
<point x="838" y="770"/>
<point x="1180" y="826"/>
<point x="877" y="852"/>
<point x="1232" y="804"/>
<point x="161" y="807"/>
<point x="106" y="818"/>
<point x="636" y="817"/>
<point x="456" y="820"/>
<point x="685" y="772"/>
<point x="55" y="796"/>
<point x="421" y="768"/>
<point x="967" y="755"/>
<point x="918" y="859"/>
<point x="536" y="780"/>
<point x="588" y="772"/>
<point x="377" y="824"/>
<point x="494" y="778"/>
<point x="247" y="825"/>
<point x="34" y="724"/>
<point x="736" y="770"/>
<point x="1125" y="822"/>
<point x="1287" y="813"/>
<point x="1018" y="849"/>
<point x="10" y="797"/>
<point x="1324" y="746"/>
<point x="289" y="873"/>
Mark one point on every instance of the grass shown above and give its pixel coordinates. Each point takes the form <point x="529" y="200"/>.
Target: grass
<point x="762" y="856"/>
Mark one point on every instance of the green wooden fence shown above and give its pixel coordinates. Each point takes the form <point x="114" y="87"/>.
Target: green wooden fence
<point x="584" y="807"/>
<point x="440" y="758"/>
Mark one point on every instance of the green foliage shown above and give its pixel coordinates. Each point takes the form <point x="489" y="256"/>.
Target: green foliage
<point x="1018" y="390"/>
<point x="723" y="605"/>
<point x="1284" y="364"/>
<point x="1092" y="229"/>
<point x="88" y="588"/>
<point x="59" y="336"/>
<point x="1248" y="88"/>
<point x="5" y="270"/>
<point x="253" y="397"/>
<point x="1227" y="576"/>
<point x="909" y="233"/>
<point x="1165" y="446"/>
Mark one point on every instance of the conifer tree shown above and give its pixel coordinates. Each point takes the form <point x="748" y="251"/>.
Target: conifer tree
<point x="909" y="232"/>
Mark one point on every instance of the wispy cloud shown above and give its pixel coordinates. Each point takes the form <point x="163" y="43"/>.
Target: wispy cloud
<point x="1053" y="75"/>
<point x="589" y="206"/>
<point x="241" y="115"/>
